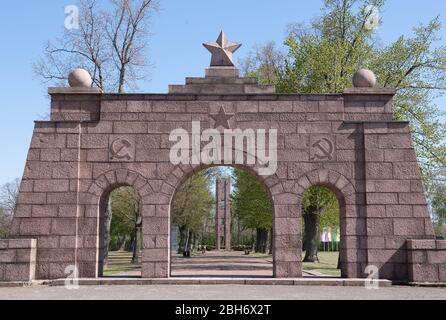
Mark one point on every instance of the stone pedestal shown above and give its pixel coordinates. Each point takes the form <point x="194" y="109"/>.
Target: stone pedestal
<point x="222" y="72"/>
<point x="221" y="80"/>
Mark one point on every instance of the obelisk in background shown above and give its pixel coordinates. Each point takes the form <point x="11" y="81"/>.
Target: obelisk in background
<point x="223" y="214"/>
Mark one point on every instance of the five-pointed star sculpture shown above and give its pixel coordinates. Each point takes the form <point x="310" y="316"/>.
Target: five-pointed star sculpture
<point x="222" y="51"/>
<point x="221" y="119"/>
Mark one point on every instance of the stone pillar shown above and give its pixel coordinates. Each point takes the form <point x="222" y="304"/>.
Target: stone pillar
<point x="223" y="213"/>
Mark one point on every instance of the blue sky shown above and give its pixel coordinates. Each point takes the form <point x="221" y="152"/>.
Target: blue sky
<point x="175" y="49"/>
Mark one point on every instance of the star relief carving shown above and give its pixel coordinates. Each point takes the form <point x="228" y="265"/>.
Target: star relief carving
<point x="222" y="119"/>
<point x="222" y="51"/>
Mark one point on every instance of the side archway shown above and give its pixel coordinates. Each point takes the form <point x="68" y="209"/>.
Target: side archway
<point x="352" y="218"/>
<point x="90" y="229"/>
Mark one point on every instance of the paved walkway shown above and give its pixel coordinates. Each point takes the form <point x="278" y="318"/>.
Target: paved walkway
<point x="226" y="264"/>
<point x="222" y="264"/>
<point x="221" y="292"/>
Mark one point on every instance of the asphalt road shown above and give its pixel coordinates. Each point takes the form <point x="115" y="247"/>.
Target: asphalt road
<point x="221" y="292"/>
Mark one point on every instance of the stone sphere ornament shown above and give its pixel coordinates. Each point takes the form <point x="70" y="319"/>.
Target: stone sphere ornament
<point x="80" y="78"/>
<point x="364" y="79"/>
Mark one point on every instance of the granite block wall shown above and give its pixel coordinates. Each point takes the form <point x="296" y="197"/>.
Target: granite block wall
<point x="97" y="142"/>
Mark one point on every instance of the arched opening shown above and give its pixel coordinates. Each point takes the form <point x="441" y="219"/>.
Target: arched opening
<point x="221" y="225"/>
<point x="321" y="232"/>
<point x="120" y="233"/>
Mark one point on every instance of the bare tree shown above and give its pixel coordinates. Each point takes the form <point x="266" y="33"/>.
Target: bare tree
<point x="8" y="199"/>
<point x="5" y="223"/>
<point x="264" y="62"/>
<point x="111" y="43"/>
<point x="8" y="196"/>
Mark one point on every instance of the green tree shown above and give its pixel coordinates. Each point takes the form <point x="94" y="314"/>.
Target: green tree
<point x="191" y="208"/>
<point x="252" y="207"/>
<point x="323" y="56"/>
<point x="126" y="223"/>
<point x="417" y="69"/>
<point x="439" y="210"/>
<point x="320" y="208"/>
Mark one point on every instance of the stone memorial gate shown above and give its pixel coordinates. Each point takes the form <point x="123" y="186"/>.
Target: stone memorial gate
<point x="96" y="142"/>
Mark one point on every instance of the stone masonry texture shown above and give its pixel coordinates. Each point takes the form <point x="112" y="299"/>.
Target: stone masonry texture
<point x="97" y="142"/>
<point x="426" y="260"/>
<point x="17" y="260"/>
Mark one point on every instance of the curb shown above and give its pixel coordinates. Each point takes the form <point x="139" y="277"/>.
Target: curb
<point x="428" y="284"/>
<point x="221" y="281"/>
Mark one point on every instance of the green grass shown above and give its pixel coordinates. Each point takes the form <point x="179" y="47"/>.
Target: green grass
<point x="112" y="270"/>
<point x="120" y="262"/>
<point x="328" y="264"/>
<point x="265" y="256"/>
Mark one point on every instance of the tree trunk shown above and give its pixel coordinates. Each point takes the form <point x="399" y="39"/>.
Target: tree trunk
<point x="196" y="238"/>
<point x="123" y="244"/>
<point x="271" y="243"/>
<point x="239" y="232"/>
<point x="108" y="220"/>
<point x="312" y="221"/>
<point x="136" y="247"/>
<point x="182" y="231"/>
<point x="121" y="80"/>
<point x="190" y="242"/>
<point x="339" y="261"/>
<point x="137" y="240"/>
<point x="264" y="243"/>
<point x="258" y="240"/>
<point x="187" y="244"/>
<point x="262" y="239"/>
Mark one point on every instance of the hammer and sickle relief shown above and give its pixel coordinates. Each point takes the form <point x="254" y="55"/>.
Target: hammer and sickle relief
<point x="323" y="149"/>
<point x="121" y="149"/>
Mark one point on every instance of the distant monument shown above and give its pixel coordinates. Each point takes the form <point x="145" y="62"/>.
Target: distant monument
<point x="223" y="214"/>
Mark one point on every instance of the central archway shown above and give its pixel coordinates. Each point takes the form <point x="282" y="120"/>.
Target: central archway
<point x="221" y="225"/>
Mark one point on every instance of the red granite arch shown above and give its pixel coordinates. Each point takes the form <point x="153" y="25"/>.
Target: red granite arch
<point x="93" y="203"/>
<point x="95" y="142"/>
<point x="116" y="178"/>
<point x="285" y="260"/>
